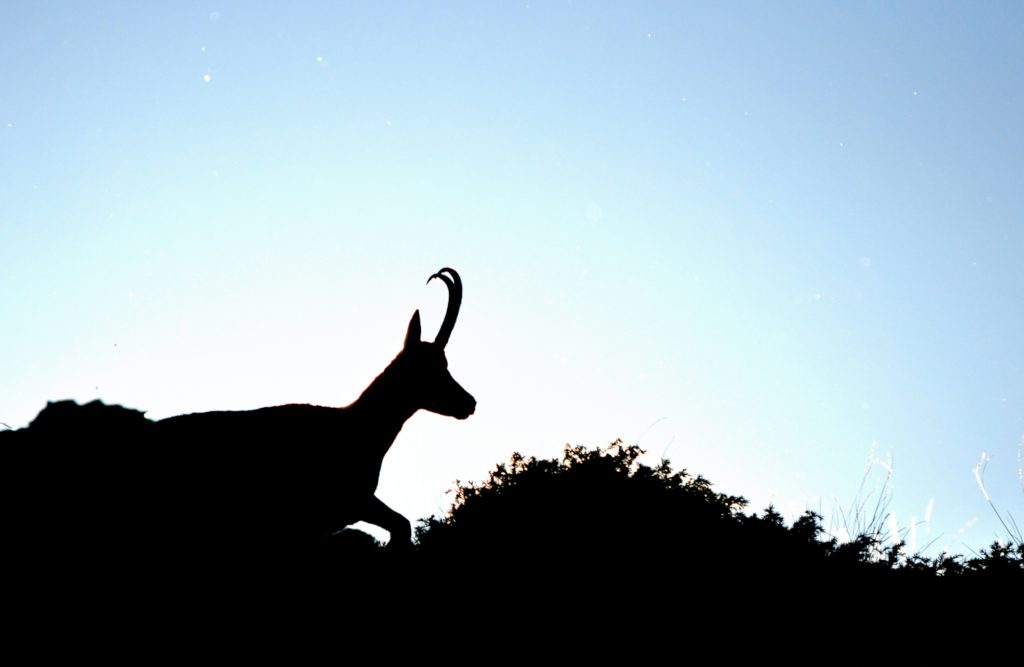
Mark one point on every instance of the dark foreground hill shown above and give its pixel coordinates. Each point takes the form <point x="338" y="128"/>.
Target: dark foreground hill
<point x="93" y="491"/>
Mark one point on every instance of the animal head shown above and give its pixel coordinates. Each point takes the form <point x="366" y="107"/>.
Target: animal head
<point x="424" y="366"/>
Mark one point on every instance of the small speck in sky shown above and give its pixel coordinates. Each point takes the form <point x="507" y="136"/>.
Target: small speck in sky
<point x="683" y="100"/>
<point x="915" y="93"/>
<point x="650" y="35"/>
<point x="214" y="16"/>
<point x="203" y="49"/>
<point x="207" y="78"/>
<point x="865" y="262"/>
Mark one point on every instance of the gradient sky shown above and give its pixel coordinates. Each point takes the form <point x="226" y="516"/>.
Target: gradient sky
<point x="773" y="242"/>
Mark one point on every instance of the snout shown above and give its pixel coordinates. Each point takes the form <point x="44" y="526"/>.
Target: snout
<point x="468" y="408"/>
<point x="456" y="402"/>
<point x="459" y="403"/>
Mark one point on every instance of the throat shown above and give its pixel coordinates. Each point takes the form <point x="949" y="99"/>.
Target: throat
<point x="382" y="409"/>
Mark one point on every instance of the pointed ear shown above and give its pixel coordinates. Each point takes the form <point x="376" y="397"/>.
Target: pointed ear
<point x="413" y="334"/>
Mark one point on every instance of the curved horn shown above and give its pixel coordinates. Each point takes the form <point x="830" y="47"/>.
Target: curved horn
<point x="454" y="302"/>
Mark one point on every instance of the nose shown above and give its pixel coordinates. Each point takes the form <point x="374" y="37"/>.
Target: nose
<point x="470" y="407"/>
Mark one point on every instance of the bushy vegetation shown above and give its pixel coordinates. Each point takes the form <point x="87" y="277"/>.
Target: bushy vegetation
<point x="603" y="510"/>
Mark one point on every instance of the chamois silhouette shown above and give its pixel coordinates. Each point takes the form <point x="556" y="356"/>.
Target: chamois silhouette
<point x="245" y="482"/>
<point x="304" y="472"/>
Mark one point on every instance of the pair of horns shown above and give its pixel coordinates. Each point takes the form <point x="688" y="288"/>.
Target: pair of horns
<point x="454" y="284"/>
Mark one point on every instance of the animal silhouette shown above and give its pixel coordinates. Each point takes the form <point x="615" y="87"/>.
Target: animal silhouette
<point x="294" y="473"/>
<point x="104" y="480"/>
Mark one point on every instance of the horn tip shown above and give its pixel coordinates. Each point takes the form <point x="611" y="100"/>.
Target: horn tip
<point x="440" y="275"/>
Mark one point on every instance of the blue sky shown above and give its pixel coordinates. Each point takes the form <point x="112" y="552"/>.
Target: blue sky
<point x="772" y="242"/>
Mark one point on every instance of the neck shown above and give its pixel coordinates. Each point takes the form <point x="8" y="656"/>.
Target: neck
<point x="383" y="408"/>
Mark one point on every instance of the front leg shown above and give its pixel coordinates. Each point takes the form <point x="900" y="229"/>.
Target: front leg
<point x="379" y="514"/>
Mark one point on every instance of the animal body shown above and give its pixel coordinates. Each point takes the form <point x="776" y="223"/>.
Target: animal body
<point x="300" y="472"/>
